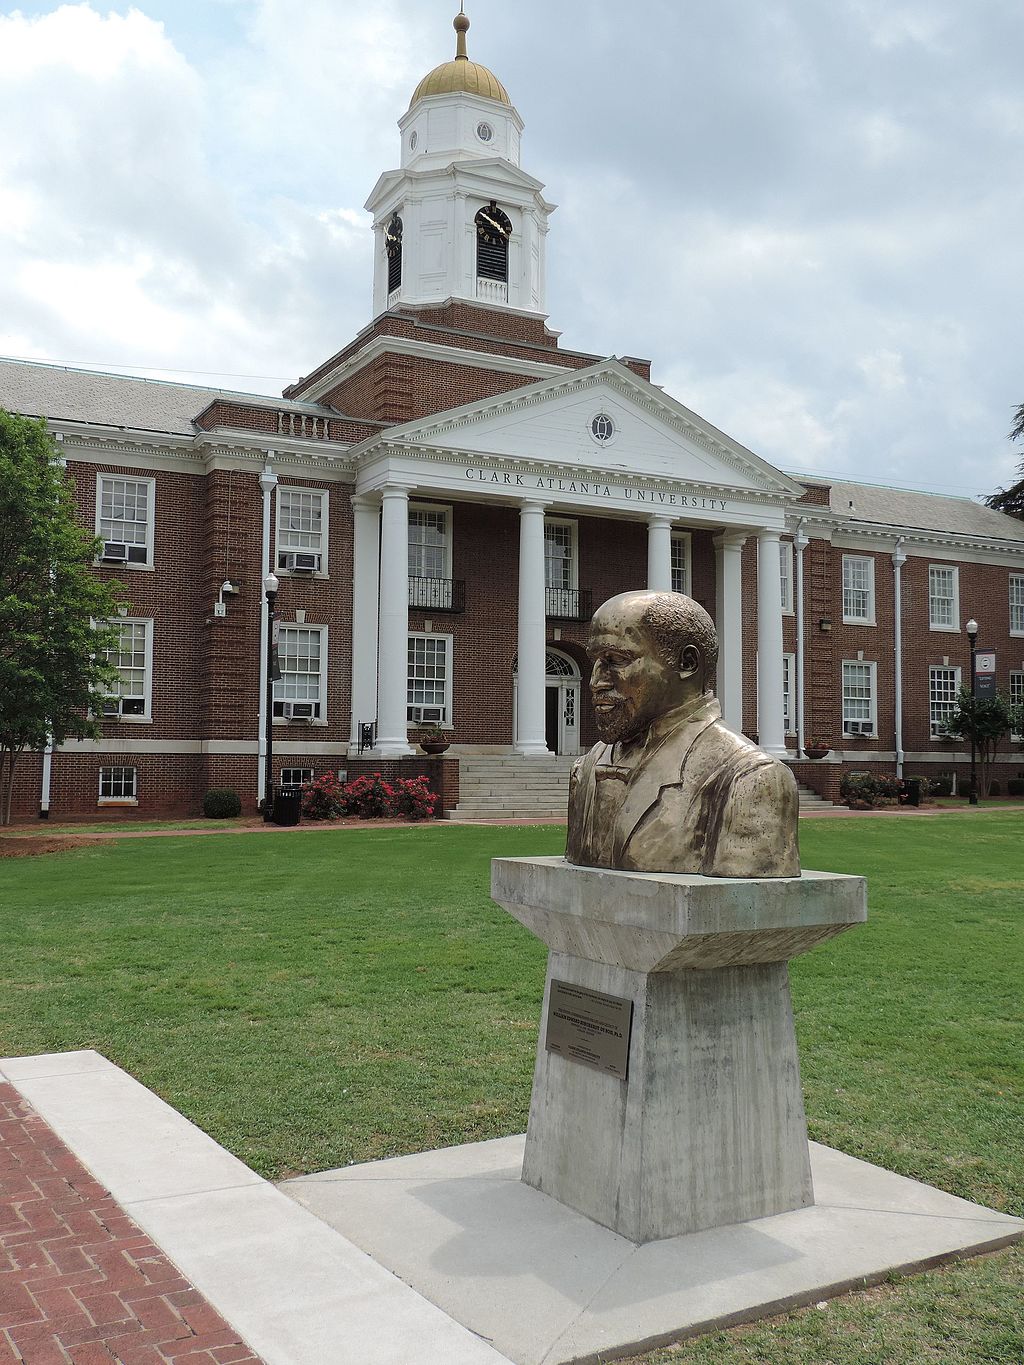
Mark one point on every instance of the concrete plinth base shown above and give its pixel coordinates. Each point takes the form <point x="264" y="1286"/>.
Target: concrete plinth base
<point x="707" y="1127"/>
<point x="546" y="1286"/>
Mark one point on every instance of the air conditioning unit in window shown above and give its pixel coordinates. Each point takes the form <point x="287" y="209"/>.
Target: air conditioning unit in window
<point x="299" y="562"/>
<point x="859" y="727"/>
<point x="426" y="715"/>
<point x="111" y="708"/>
<point x="299" y="710"/>
<point x="115" y="552"/>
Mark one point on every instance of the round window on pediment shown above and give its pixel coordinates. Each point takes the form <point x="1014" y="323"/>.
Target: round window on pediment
<point x="602" y="429"/>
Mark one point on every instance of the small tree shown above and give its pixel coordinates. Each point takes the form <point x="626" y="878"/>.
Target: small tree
<point x="53" y="609"/>
<point x="986" y="720"/>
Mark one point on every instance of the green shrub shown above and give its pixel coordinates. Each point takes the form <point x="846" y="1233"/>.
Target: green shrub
<point x="1015" y="786"/>
<point x="889" y="788"/>
<point x="942" y="784"/>
<point x="995" y="787"/>
<point x="859" y="789"/>
<point x="323" y="799"/>
<point x="221" y="803"/>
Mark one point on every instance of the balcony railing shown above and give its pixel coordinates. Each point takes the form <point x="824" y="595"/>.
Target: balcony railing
<point x="568" y="604"/>
<point x="437" y="594"/>
<point x="491" y="291"/>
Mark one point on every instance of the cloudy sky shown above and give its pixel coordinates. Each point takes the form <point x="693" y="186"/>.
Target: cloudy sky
<point x="809" y="214"/>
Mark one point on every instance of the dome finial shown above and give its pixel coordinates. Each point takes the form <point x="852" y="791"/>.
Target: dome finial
<point x="461" y="26"/>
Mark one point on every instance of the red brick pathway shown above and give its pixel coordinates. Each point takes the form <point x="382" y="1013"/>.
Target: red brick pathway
<point x="80" y="1284"/>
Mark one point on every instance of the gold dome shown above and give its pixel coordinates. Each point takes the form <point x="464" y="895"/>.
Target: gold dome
<point x="461" y="74"/>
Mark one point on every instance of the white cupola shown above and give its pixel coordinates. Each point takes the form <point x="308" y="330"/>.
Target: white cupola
<point x="460" y="219"/>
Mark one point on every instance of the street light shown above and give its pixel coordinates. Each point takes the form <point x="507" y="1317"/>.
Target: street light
<point x="271" y="583"/>
<point x="972" y="636"/>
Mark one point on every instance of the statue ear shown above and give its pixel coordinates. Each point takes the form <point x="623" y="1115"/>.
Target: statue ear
<point x="690" y="662"/>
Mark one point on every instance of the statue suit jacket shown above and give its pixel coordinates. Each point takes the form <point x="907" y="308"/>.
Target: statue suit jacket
<point x="699" y="798"/>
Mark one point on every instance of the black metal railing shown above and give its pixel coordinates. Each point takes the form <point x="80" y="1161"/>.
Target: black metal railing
<point x="568" y="604"/>
<point x="437" y="594"/>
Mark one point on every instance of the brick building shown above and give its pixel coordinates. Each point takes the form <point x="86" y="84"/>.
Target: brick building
<point x="447" y="499"/>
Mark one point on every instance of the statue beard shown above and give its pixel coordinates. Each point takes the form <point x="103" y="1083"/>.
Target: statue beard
<point x="619" y="721"/>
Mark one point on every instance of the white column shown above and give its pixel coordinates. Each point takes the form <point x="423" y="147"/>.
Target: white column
<point x="365" y="588"/>
<point x="530" y="739"/>
<point x="770" y="728"/>
<point x="659" y="554"/>
<point x="268" y="482"/>
<point x="899" y="558"/>
<point x="800" y="544"/>
<point x="393" y="670"/>
<point x="729" y="623"/>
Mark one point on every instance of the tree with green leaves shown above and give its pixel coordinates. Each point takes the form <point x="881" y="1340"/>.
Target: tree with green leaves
<point x="986" y="720"/>
<point x="1011" y="500"/>
<point x="54" y="611"/>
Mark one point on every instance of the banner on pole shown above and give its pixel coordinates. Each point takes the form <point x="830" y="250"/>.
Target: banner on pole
<point x="985" y="674"/>
<point x="275" y="662"/>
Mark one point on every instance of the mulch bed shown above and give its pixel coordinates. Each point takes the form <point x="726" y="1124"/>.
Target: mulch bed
<point x="30" y="846"/>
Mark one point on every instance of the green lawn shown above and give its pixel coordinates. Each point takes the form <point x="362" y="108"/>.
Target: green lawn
<point x="321" y="998"/>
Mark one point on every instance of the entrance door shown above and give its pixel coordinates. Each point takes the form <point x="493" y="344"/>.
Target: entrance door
<point x="551" y="709"/>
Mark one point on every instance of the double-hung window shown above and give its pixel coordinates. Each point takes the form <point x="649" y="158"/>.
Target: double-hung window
<point x="789" y="694"/>
<point x="943" y="597"/>
<point x="131" y="653"/>
<point x="119" y="786"/>
<point x="430" y="557"/>
<point x="786" y="572"/>
<point x="859" y="698"/>
<point x="125" y="519"/>
<point x="300" y="694"/>
<point x="1017" y="604"/>
<point x="560" y="575"/>
<point x="429" y="695"/>
<point x="943" y="689"/>
<point x="681" y="561"/>
<point x="858" y="590"/>
<point x="301" y="530"/>
<point x="1016" y="695"/>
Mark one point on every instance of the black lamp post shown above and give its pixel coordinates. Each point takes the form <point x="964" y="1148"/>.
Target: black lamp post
<point x="270" y="586"/>
<point x="972" y="636"/>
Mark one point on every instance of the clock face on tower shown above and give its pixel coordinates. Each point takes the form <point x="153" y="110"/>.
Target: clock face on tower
<point x="492" y="226"/>
<point x="393" y="237"/>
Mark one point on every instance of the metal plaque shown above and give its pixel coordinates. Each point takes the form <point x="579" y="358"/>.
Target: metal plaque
<point x="586" y="1026"/>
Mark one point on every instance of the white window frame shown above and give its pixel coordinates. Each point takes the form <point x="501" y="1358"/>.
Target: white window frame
<point x="281" y="533"/>
<point x="445" y="509"/>
<point x="301" y="783"/>
<point x="321" y="719"/>
<point x="954" y="625"/>
<point x="1016" y="589"/>
<point x="111" y="800"/>
<point x="684" y="538"/>
<point x="574" y="555"/>
<point x="789" y="694"/>
<point x="447" y="722"/>
<point x="872" y="668"/>
<point x="933" y="732"/>
<point x="108" y="474"/>
<point x="786" y="576"/>
<point x="145" y="717"/>
<point x="868" y="619"/>
<point x="1016" y="693"/>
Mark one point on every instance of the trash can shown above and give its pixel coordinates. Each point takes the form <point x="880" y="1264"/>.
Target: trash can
<point x="287" y="806"/>
<point x="913" y="786"/>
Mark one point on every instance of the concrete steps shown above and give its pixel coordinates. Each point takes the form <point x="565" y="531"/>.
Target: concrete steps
<point x="509" y="787"/>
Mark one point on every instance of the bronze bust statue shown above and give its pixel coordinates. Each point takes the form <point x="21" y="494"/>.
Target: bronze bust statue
<point x="668" y="788"/>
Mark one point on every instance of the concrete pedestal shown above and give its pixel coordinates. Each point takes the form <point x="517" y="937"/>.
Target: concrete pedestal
<point x="708" y="1127"/>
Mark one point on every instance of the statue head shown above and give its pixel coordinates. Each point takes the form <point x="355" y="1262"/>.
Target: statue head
<point x="651" y="652"/>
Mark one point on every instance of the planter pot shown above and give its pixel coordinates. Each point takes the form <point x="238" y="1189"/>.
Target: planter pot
<point x="434" y="746"/>
<point x="816" y="751"/>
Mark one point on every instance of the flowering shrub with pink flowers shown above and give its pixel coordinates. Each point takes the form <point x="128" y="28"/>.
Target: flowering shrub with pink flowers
<point x="369" y="798"/>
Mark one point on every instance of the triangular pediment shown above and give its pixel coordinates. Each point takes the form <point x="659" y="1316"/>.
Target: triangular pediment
<point x="550" y="423"/>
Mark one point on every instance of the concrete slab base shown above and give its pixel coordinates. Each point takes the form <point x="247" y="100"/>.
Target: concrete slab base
<point x="546" y="1286"/>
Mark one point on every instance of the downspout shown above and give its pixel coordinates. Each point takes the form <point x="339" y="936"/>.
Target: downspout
<point x="801" y="542"/>
<point x="898" y="560"/>
<point x="268" y="482"/>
